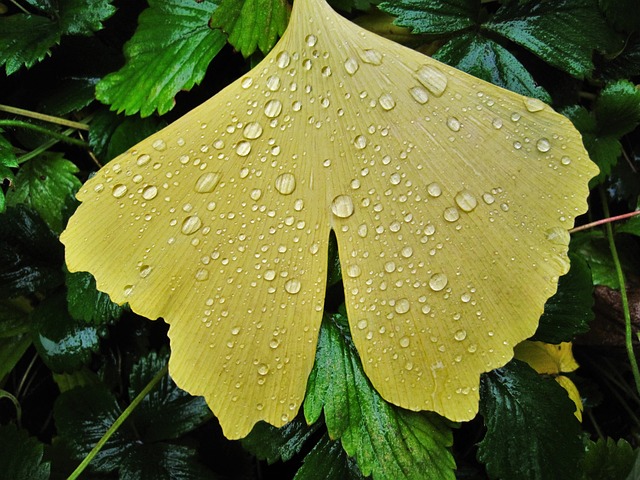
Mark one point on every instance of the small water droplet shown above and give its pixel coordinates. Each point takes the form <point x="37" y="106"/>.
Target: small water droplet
<point x="360" y="142"/>
<point x="451" y="214"/>
<point x="404" y="342"/>
<point x="342" y="206"/>
<point x="202" y="274"/>
<point x="402" y="306"/>
<point x="191" y="225"/>
<point x="390" y="267"/>
<point x="263" y="369"/>
<point x="497" y="123"/>
<point x="353" y="271"/>
<point x="395" y="178"/>
<point x="207" y="182"/>
<point x="515" y="117"/>
<point x="433" y="79"/>
<point x="273" y="108"/>
<point x="243" y="148"/>
<point x="246" y="82"/>
<point x="252" y="130"/>
<point x="533" y="104"/>
<point x="434" y="190"/>
<point x="363" y="230"/>
<point x="460" y="335"/>
<point x="311" y="40"/>
<point x="371" y="56"/>
<point x="386" y="101"/>
<point x="159" y="145"/>
<point x="326" y="72"/>
<point x="351" y="65"/>
<point x="488" y="198"/>
<point x="128" y="290"/>
<point x="150" y="192"/>
<point x="362" y="324"/>
<point x="565" y="161"/>
<point x="419" y="94"/>
<point x="292" y="286"/>
<point x="407" y="252"/>
<point x="543" y="145"/>
<point x="438" y="281"/>
<point x="145" y="270"/>
<point x="454" y="124"/>
<point x="119" y="190"/>
<point x="286" y="183"/>
<point x="143" y="159"/>
<point x="283" y="59"/>
<point x="466" y="201"/>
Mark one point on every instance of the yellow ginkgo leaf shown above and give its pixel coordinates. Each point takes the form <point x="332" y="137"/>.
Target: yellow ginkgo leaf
<point x="450" y="199"/>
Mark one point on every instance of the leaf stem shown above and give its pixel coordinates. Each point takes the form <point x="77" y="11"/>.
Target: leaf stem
<point x="119" y="421"/>
<point x="604" y="220"/>
<point x="628" y="332"/>
<point x="44" y="117"/>
<point x="43" y="130"/>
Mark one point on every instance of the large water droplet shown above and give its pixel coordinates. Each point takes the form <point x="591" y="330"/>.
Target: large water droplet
<point x="351" y="65"/>
<point x="353" y="271"/>
<point x="286" y="183"/>
<point x="466" y="201"/>
<point x="202" y="274"/>
<point x="150" y="192"/>
<point x="434" y="190"/>
<point x="207" y="182"/>
<point x="404" y="342"/>
<point x="419" y="94"/>
<point x="558" y="236"/>
<point x="252" y="130"/>
<point x="451" y="214"/>
<point x="386" y="101"/>
<point x="454" y="124"/>
<point x="119" y="190"/>
<point x="243" y="148"/>
<point x="292" y="286"/>
<point x="433" y="79"/>
<point x="145" y="270"/>
<point x="311" y="40"/>
<point x="283" y="59"/>
<point x="460" y="335"/>
<point x="342" y="206"/>
<point x="159" y="145"/>
<point x="143" y="159"/>
<point x="438" y="281"/>
<point x="402" y="306"/>
<point x="273" y="108"/>
<point x="360" y="142"/>
<point x="191" y="225"/>
<point x="263" y="369"/>
<point x="371" y="56"/>
<point x="543" y="145"/>
<point x="533" y="104"/>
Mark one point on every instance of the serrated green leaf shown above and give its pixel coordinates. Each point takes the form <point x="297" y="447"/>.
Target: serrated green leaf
<point x="81" y="378"/>
<point x="88" y="304"/>
<point x="63" y="343"/>
<point x="21" y="456"/>
<point x="278" y="444"/>
<point x="30" y="255"/>
<point x="26" y="39"/>
<point x="434" y="18"/>
<point x="617" y="109"/>
<point x="167" y="412"/>
<point x="48" y="184"/>
<point x="70" y="95"/>
<point x="569" y="311"/>
<point x="11" y="351"/>
<point x="169" y="52"/>
<point x="251" y="24"/>
<point x="328" y="461"/>
<point x="82" y="417"/>
<point x="488" y="60"/>
<point x="160" y="461"/>
<point x="532" y="432"/>
<point x="563" y="33"/>
<point x="7" y="157"/>
<point x="607" y="460"/>
<point x="387" y="442"/>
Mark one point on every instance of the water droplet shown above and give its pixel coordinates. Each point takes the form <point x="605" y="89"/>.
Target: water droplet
<point x="143" y="159"/>
<point x="402" y="306"/>
<point x="273" y="108"/>
<point x="145" y="270"/>
<point x="497" y="123"/>
<point x="207" y="182"/>
<point x="283" y="59"/>
<point x="543" y="145"/>
<point x="311" y="40"/>
<point x="119" y="190"/>
<point x="434" y="190"/>
<point x="244" y="148"/>
<point x="460" y="335"/>
<point x="202" y="274"/>
<point x="263" y="369"/>
<point x="488" y="198"/>
<point x="515" y="117"/>
<point x="466" y="201"/>
<point x="292" y="286"/>
<point x="353" y="271"/>
<point x="191" y="225"/>
<point x="371" y="56"/>
<point x="360" y="142"/>
<point x="533" y="104"/>
<point x="558" y="236"/>
<point x="351" y="65"/>
<point x="419" y="94"/>
<point x="438" y="281"/>
<point x="246" y="82"/>
<point x="395" y="178"/>
<point x="252" y="130"/>
<point x="150" y="192"/>
<point x="433" y="79"/>
<point x="386" y="101"/>
<point x="407" y="252"/>
<point x="404" y="342"/>
<point x="465" y="298"/>
<point x="390" y="267"/>
<point x="451" y="214"/>
<point x="269" y="275"/>
<point x="453" y="123"/>
<point x="363" y="230"/>
<point x="159" y="145"/>
<point x="128" y="290"/>
<point x="408" y="366"/>
<point x="286" y="183"/>
<point x="342" y="206"/>
<point x="362" y="324"/>
<point x="565" y="161"/>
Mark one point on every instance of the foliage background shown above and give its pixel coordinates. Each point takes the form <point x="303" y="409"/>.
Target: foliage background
<point x="71" y="361"/>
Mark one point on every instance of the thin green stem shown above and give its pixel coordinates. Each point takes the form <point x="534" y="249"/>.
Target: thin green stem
<point x="44" y="117"/>
<point x="119" y="421"/>
<point x="628" y="332"/>
<point x="43" y="130"/>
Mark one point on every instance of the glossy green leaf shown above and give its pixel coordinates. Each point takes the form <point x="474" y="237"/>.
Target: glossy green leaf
<point x="532" y="432"/>
<point x="607" y="459"/>
<point x="48" y="184"/>
<point x="70" y="95"/>
<point x="169" y="52"/>
<point x="278" y="444"/>
<point x="328" y="461"/>
<point x="387" y="442"/>
<point x="30" y="255"/>
<point x="21" y="456"/>
<point x="488" y="60"/>
<point x="11" y="351"/>
<point x="64" y="344"/>
<point x="563" y="33"/>
<point x="435" y="18"/>
<point x="86" y="303"/>
<point x="569" y="311"/>
<point x="7" y="161"/>
<point x="162" y="461"/>
<point x="26" y="39"/>
<point x="251" y="24"/>
<point x="167" y="412"/>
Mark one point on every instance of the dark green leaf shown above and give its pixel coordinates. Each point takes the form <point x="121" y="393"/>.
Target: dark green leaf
<point x="488" y="60"/>
<point x="349" y="5"/>
<point x="70" y="95"/>
<point x="82" y="417"/>
<point x="251" y="24"/>
<point x="623" y="14"/>
<point x="334" y="274"/>
<point x="86" y="303"/>
<point x="7" y="156"/>
<point x="631" y="226"/>
<point x="167" y="412"/>
<point x="63" y="343"/>
<point x="26" y="39"/>
<point x="608" y="460"/>
<point x="11" y="351"/>
<point x="47" y="183"/>
<point x="617" y="109"/>
<point x="130" y="131"/>
<point x="328" y="461"/>
<point x="563" y="33"/>
<point x="386" y="441"/>
<point x="13" y="320"/>
<point x="21" y="455"/>
<point x="169" y="52"/>
<point x="30" y="255"/>
<point x="162" y="461"/>
<point x="275" y="444"/>
<point x="626" y="63"/>
<point x="532" y="432"/>
<point x="435" y="18"/>
<point x="569" y="311"/>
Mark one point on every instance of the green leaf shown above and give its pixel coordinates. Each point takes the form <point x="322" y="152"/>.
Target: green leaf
<point x="8" y="160"/>
<point x="167" y="412"/>
<point x="69" y="95"/>
<point x="30" y="255"/>
<point x="350" y="5"/>
<point x="86" y="303"/>
<point x="623" y="14"/>
<point x="11" y="351"/>
<point x="631" y="226"/>
<point x="434" y="18"/>
<point x="488" y="60"/>
<point x="617" y="109"/>
<point x="387" y="442"/>
<point x="251" y="24"/>
<point x="569" y="311"/>
<point x="21" y="456"/>
<point x="532" y="432"/>
<point x="13" y="320"/>
<point x="27" y="39"/>
<point x="564" y="33"/>
<point x="162" y="461"/>
<point x="169" y="52"/>
<point x="278" y="444"/>
<point x="328" y="461"/>
<point x="63" y="343"/>
<point x="608" y="460"/>
<point x="48" y="184"/>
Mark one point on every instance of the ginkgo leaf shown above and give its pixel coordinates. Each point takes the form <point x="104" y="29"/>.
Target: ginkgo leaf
<point x="450" y="199"/>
